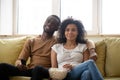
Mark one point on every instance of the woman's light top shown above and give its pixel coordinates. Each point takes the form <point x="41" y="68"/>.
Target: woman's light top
<point x="69" y="56"/>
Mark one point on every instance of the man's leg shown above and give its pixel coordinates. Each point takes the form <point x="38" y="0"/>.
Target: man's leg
<point x="39" y="73"/>
<point x="7" y="70"/>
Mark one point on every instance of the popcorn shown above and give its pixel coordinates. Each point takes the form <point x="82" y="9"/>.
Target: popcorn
<point x="56" y="73"/>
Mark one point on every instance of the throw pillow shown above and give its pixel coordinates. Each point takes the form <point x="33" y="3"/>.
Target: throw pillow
<point x="100" y="50"/>
<point x="112" y="67"/>
<point x="10" y="49"/>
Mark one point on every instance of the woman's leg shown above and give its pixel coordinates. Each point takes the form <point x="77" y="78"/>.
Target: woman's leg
<point x="86" y="75"/>
<point x="38" y="73"/>
<point x="87" y="65"/>
<point x="7" y="70"/>
<point x="96" y="75"/>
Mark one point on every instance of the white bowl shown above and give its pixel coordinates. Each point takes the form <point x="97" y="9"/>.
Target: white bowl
<point x="56" y="73"/>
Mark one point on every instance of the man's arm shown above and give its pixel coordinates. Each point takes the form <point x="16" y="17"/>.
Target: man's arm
<point x="91" y="48"/>
<point x="25" y="53"/>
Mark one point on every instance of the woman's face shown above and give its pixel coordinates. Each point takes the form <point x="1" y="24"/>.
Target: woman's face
<point x="71" y="32"/>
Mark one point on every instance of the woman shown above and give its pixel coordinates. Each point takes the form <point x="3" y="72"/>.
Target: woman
<point x="72" y="52"/>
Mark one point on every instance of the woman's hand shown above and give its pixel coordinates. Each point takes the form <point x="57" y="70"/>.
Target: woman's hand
<point x="68" y="66"/>
<point x="19" y="65"/>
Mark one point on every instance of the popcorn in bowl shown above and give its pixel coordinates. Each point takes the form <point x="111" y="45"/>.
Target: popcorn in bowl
<point x="56" y="73"/>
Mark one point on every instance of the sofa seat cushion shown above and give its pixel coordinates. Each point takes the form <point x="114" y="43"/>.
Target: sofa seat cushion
<point x="112" y="66"/>
<point x="112" y="78"/>
<point x="19" y="78"/>
<point x="10" y="49"/>
<point x="100" y="50"/>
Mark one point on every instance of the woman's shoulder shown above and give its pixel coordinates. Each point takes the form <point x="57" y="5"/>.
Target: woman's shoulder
<point x="58" y="45"/>
<point x="81" y="45"/>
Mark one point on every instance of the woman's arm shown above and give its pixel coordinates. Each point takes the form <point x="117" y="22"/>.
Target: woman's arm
<point x="54" y="63"/>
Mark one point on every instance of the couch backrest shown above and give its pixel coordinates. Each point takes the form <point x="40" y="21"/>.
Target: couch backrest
<point x="10" y="49"/>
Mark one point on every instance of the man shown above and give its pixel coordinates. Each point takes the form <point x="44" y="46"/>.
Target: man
<point x="38" y="49"/>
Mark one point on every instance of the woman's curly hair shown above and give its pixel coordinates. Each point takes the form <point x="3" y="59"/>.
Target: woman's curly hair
<point x="80" y="27"/>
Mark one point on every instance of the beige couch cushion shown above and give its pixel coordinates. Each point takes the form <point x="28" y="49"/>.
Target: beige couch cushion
<point x="10" y="49"/>
<point x="112" y="67"/>
<point x="100" y="50"/>
<point x="19" y="78"/>
<point x="112" y="78"/>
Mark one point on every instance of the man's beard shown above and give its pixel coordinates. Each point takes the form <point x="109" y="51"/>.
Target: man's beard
<point x="48" y="31"/>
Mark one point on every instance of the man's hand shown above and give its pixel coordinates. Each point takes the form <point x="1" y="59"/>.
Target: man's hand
<point x="20" y="66"/>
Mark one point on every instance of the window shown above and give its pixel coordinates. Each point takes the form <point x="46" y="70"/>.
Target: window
<point x="78" y="10"/>
<point x="27" y="16"/>
<point x="32" y="14"/>
<point x="6" y="17"/>
<point x="110" y="17"/>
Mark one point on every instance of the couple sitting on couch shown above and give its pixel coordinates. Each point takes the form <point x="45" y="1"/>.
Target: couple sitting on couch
<point x="70" y="52"/>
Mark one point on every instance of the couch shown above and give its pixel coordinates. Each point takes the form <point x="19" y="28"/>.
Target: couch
<point x="108" y="50"/>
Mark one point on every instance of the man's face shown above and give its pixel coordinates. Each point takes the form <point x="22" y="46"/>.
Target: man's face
<point x="51" y="24"/>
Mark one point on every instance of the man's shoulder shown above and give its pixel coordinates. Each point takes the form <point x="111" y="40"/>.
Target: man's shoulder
<point x="54" y="37"/>
<point x="31" y="39"/>
<point x="52" y="40"/>
<point x="35" y="37"/>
